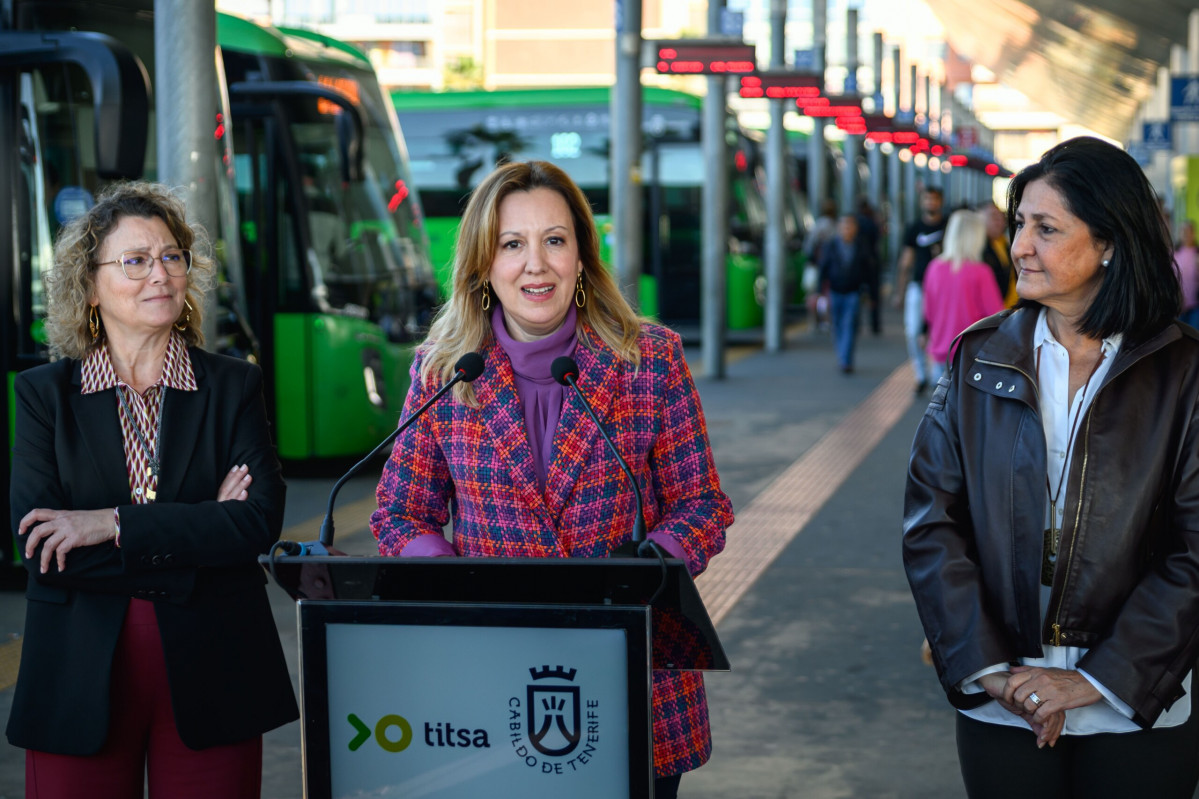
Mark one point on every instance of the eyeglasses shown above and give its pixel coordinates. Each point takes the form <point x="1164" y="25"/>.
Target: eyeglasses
<point x="137" y="265"/>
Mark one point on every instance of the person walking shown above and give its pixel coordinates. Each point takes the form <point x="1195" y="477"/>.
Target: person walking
<point x="958" y="288"/>
<point x="921" y="243"/>
<point x="844" y="268"/>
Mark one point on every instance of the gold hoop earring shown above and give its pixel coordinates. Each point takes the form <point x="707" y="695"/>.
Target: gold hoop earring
<point x="580" y="295"/>
<point x="486" y="296"/>
<point x="182" y="326"/>
<point x="93" y="323"/>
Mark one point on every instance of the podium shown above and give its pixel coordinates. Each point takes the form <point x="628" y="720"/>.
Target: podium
<point x="454" y="678"/>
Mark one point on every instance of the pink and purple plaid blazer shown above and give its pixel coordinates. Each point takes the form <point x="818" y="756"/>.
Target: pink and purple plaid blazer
<point x="480" y="460"/>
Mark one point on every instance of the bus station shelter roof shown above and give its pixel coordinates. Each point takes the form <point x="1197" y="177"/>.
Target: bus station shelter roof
<point x="1092" y="62"/>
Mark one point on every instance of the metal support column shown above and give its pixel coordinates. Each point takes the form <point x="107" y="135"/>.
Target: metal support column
<point x="776" y="190"/>
<point x="186" y="100"/>
<point x="817" y="181"/>
<point x="626" y="200"/>
<point x="852" y="144"/>
<point x="715" y="214"/>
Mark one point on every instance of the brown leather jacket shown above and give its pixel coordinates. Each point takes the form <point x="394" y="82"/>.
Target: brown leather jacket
<point x="1127" y="580"/>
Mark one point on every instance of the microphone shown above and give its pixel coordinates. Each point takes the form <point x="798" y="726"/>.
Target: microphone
<point x="467" y="369"/>
<point x="566" y="372"/>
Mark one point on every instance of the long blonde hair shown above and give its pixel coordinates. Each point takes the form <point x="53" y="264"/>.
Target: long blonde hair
<point x="965" y="236"/>
<point x="462" y="325"/>
<point x="72" y="280"/>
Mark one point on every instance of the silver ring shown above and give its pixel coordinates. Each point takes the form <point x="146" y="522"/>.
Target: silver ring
<point x="1036" y="700"/>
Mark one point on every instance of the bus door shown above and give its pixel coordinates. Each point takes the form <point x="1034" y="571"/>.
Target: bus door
<point x="327" y="283"/>
<point x="73" y="113"/>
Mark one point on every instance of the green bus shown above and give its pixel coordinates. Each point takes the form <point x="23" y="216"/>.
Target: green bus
<point x="326" y="276"/>
<point x="324" y="270"/>
<point x="455" y="138"/>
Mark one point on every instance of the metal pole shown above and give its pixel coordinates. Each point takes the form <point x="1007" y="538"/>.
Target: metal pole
<point x="894" y="179"/>
<point x="853" y="144"/>
<point x="817" y="183"/>
<point x="626" y="200"/>
<point x="776" y="190"/>
<point x="874" y="190"/>
<point x="715" y="213"/>
<point x="911" y="173"/>
<point x="186" y="99"/>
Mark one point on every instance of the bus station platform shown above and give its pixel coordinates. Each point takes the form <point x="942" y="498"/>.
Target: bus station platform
<point x="828" y="697"/>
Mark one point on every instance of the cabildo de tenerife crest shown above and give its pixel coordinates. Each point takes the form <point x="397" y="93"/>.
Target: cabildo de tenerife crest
<point x="555" y="727"/>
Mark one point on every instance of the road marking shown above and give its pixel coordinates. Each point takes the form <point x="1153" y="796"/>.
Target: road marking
<point x="777" y="515"/>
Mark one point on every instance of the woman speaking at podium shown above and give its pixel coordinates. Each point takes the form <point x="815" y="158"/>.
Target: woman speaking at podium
<point x="521" y="463"/>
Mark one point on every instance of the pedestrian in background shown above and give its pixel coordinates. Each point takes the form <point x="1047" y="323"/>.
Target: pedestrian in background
<point x="958" y="288"/>
<point x="144" y="487"/>
<point x="824" y="230"/>
<point x="921" y="243"/>
<point x="1187" y="258"/>
<point x="997" y="253"/>
<point x="870" y="232"/>
<point x="845" y="265"/>
<point x="1051" y="517"/>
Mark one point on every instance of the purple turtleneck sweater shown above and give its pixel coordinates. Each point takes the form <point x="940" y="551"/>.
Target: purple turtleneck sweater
<point x="541" y="404"/>
<point x="540" y="395"/>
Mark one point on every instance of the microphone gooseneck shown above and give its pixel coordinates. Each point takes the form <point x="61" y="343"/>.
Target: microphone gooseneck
<point x="566" y="372"/>
<point x="466" y="370"/>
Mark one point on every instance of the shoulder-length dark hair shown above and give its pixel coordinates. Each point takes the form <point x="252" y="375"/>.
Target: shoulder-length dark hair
<point x="1104" y="187"/>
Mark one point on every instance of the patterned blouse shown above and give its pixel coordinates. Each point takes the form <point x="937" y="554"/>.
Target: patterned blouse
<point x="140" y="413"/>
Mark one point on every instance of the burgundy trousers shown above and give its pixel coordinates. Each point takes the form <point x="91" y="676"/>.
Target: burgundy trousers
<point x="142" y="740"/>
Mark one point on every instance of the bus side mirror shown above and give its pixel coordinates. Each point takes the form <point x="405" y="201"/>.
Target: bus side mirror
<point x="120" y="90"/>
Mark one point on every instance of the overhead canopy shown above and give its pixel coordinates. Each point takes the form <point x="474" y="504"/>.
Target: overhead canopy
<point x="1093" y="63"/>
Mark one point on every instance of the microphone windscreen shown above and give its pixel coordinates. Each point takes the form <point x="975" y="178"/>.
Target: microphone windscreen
<point x="469" y="366"/>
<point x="564" y="367"/>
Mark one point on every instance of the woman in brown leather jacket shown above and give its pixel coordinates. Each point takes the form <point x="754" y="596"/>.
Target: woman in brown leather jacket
<point x="1051" y="519"/>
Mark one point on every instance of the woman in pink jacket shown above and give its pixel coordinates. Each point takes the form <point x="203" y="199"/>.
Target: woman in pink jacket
<point x="959" y="289"/>
<point x="514" y="458"/>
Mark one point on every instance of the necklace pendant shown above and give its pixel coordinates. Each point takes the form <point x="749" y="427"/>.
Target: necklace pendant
<point x="1048" y="556"/>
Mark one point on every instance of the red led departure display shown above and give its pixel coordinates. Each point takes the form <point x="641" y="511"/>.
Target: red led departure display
<point x="703" y="57"/>
<point x="842" y="106"/>
<point x="781" y="85"/>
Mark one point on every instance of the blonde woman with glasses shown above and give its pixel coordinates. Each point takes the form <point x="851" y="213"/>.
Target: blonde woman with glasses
<point x="144" y="487"/>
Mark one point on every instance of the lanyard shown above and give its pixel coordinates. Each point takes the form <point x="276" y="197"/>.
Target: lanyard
<point x="1053" y="533"/>
<point x="152" y="455"/>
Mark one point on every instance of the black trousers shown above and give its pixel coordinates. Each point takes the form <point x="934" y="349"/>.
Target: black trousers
<point x="1003" y="762"/>
<point x="667" y="787"/>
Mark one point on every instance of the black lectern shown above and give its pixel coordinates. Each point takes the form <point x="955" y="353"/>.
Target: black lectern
<point x="465" y="677"/>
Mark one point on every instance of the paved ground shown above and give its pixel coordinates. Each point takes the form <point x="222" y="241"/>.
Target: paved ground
<point x="827" y="697"/>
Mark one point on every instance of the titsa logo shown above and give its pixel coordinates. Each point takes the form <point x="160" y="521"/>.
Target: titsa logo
<point x="553" y="722"/>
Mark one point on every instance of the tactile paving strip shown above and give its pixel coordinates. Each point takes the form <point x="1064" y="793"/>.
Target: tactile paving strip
<point x="777" y="515"/>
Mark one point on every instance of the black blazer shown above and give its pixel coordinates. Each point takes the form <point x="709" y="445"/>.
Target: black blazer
<point x="194" y="557"/>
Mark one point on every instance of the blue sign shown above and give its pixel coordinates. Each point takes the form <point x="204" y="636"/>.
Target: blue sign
<point x="805" y="61"/>
<point x="1140" y="153"/>
<point x="1156" y="136"/>
<point x="70" y="202"/>
<point x="732" y="23"/>
<point x="1184" y="98"/>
